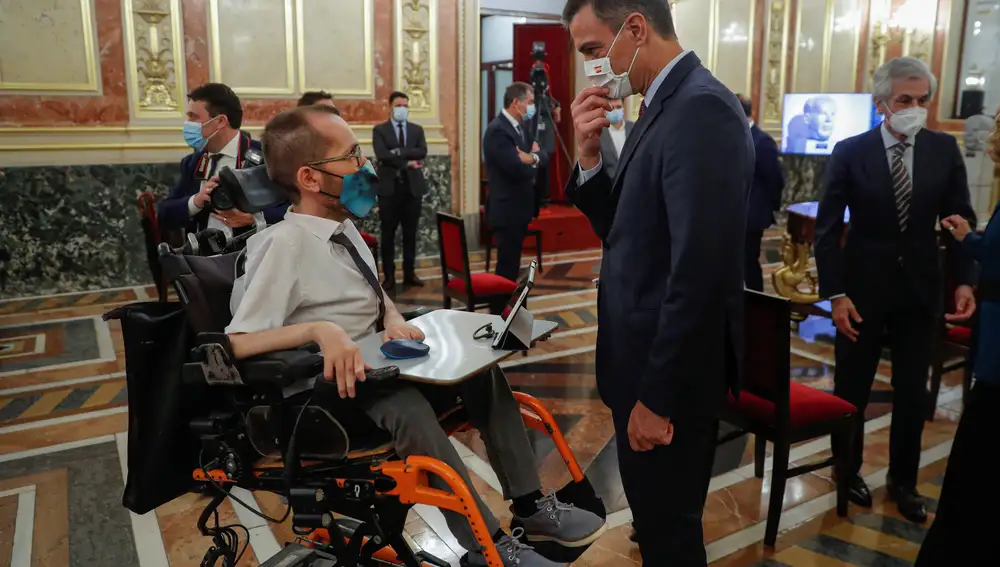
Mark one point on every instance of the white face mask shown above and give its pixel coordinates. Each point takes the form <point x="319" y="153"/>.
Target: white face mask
<point x="601" y="75"/>
<point x="908" y="121"/>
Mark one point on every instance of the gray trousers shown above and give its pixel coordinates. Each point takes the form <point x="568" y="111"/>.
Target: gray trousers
<point x="408" y="416"/>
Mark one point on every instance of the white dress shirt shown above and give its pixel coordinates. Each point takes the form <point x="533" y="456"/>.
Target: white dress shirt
<point x="228" y="153"/>
<point x="294" y="274"/>
<point x="518" y="127"/>
<point x="587" y="175"/>
<point x="617" y="134"/>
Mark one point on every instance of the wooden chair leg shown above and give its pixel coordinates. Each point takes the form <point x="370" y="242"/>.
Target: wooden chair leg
<point x="842" y="467"/>
<point x="759" y="455"/>
<point x="538" y="248"/>
<point x="779" y="474"/>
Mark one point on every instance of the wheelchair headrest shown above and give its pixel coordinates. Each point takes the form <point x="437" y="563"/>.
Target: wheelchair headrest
<point x="249" y="190"/>
<point x="205" y="285"/>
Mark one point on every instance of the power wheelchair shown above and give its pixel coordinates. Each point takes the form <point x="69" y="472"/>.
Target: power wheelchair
<point x="200" y="420"/>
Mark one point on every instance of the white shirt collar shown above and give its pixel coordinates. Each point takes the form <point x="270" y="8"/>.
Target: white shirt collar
<point x="889" y="140"/>
<point x="319" y="227"/>
<point x="513" y="121"/>
<point x="395" y="123"/>
<point x="661" y="76"/>
<point x="232" y="149"/>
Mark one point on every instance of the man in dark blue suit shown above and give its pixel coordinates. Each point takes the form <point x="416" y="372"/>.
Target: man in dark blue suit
<point x="765" y="196"/>
<point x="512" y="160"/>
<point x="897" y="180"/>
<point x="214" y="116"/>
<point x="670" y="300"/>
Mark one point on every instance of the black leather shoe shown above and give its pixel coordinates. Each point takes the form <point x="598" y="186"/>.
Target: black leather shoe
<point x="858" y="493"/>
<point x="388" y="285"/>
<point x="911" y="504"/>
<point x="413" y="280"/>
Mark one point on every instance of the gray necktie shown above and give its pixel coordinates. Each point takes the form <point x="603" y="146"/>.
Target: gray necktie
<point x="902" y="185"/>
<point x="366" y="271"/>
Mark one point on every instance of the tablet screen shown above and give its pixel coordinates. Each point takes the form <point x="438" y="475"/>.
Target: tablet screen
<point x="517" y="298"/>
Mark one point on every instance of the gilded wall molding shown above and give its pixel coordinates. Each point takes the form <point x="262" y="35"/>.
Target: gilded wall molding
<point x="416" y="54"/>
<point x="88" y="36"/>
<point x="775" y="53"/>
<point x="152" y="38"/>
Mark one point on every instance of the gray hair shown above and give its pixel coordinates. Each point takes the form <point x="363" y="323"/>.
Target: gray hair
<point x="900" y="68"/>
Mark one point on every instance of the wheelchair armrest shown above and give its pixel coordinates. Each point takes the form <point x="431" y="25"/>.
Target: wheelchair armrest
<point x="410" y="314"/>
<point x="213" y="362"/>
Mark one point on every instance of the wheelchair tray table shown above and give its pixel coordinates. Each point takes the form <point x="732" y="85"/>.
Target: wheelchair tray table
<point x="454" y="355"/>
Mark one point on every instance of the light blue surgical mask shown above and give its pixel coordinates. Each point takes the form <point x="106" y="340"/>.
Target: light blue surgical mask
<point x="357" y="192"/>
<point x="529" y="113"/>
<point x="192" y="134"/>
<point x="616" y="116"/>
<point x="400" y="113"/>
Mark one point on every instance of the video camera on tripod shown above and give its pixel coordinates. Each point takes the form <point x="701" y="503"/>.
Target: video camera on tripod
<point x="545" y="131"/>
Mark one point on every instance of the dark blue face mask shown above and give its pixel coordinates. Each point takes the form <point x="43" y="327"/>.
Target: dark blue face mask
<point x="358" y="192"/>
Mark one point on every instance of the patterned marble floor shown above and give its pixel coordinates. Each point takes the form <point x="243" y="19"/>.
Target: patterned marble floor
<point x="63" y="420"/>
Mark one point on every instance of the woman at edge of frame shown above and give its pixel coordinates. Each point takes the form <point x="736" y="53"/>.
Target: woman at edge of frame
<point x="966" y="515"/>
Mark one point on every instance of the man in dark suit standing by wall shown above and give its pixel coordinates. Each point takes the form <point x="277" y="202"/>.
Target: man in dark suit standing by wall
<point x="400" y="148"/>
<point x="511" y="161"/>
<point x="765" y="196"/>
<point x="896" y="180"/>
<point x="670" y="299"/>
<point x="613" y="138"/>
<point x="212" y="130"/>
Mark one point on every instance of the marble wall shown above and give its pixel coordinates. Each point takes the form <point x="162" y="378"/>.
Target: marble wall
<point x="73" y="228"/>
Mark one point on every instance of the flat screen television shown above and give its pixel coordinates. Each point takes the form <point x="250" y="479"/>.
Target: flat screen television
<point x="813" y="123"/>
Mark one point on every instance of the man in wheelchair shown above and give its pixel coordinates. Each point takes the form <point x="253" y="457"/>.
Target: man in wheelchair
<point x="311" y="279"/>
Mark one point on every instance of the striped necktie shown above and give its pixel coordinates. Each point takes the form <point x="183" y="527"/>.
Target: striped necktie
<point x="902" y="185"/>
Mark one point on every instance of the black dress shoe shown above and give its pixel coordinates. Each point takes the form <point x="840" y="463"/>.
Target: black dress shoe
<point x="413" y="280"/>
<point x="858" y="493"/>
<point x="911" y="504"/>
<point x="388" y="285"/>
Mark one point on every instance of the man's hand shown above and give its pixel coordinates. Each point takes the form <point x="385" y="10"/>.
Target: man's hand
<point x="957" y="226"/>
<point x="402" y="331"/>
<point x="341" y="358"/>
<point x="965" y="305"/>
<point x="589" y="120"/>
<point x="843" y="315"/>
<point x="534" y="148"/>
<point x="234" y="218"/>
<point x="394" y="151"/>
<point x="414" y="164"/>
<point x="646" y="430"/>
<point x="205" y="193"/>
<point x="526" y="158"/>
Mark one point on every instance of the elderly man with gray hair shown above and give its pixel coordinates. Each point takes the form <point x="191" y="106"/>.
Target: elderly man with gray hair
<point x="897" y="180"/>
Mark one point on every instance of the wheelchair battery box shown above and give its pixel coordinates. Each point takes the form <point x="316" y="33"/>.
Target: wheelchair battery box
<point x="295" y="555"/>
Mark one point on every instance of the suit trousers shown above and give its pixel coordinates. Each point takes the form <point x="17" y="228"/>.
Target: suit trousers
<point x="910" y="327"/>
<point x="753" y="273"/>
<point x="510" y="242"/>
<point x="410" y="418"/>
<point x="400" y="208"/>
<point x="666" y="490"/>
<point x="962" y="531"/>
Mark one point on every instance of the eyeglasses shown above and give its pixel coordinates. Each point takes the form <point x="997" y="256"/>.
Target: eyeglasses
<point x="354" y="154"/>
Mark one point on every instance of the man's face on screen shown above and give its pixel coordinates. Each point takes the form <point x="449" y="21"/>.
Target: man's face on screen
<point x="821" y="118"/>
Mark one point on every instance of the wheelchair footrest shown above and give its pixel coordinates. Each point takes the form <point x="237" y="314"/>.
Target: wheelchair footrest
<point x="296" y="555"/>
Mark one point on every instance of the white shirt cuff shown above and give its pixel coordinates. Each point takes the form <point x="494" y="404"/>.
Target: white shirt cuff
<point x="193" y="209"/>
<point x="838" y="296"/>
<point x="588" y="174"/>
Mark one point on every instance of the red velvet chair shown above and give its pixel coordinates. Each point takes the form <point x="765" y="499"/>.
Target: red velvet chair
<point x="458" y="281"/>
<point x="487" y="239"/>
<point x="151" y="240"/>
<point x="372" y="244"/>
<point x="776" y="409"/>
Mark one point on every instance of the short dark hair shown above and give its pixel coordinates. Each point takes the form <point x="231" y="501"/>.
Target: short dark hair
<point x="515" y="91"/>
<point x="746" y="103"/>
<point x="614" y="12"/>
<point x="397" y="94"/>
<point x="219" y="99"/>
<point x="310" y="98"/>
<point x="290" y="141"/>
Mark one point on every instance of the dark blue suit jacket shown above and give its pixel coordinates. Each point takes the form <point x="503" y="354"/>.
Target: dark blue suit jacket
<point x="172" y="212"/>
<point x="875" y="254"/>
<point x="768" y="182"/>
<point x="511" y="197"/>
<point x="670" y="300"/>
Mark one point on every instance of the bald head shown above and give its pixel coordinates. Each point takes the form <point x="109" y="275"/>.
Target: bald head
<point x="303" y="135"/>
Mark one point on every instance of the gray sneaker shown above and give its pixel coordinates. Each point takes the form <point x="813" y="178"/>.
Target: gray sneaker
<point x="561" y="523"/>
<point x="513" y="553"/>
